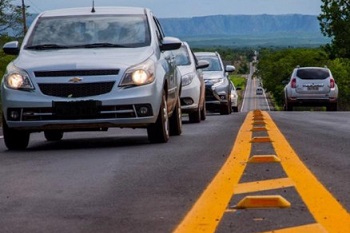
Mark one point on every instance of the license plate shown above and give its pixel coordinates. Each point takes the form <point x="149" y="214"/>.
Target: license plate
<point x="312" y="88"/>
<point x="76" y="109"/>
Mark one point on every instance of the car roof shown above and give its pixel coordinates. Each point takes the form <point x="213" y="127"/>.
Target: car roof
<point x="98" y="11"/>
<point x="311" y="67"/>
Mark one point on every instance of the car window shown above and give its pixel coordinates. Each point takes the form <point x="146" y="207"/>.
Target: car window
<point x="312" y="73"/>
<point x="123" y="30"/>
<point x="182" y="56"/>
<point x="214" y="63"/>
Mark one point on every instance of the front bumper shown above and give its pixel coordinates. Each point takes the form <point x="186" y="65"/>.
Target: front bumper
<point x="122" y="107"/>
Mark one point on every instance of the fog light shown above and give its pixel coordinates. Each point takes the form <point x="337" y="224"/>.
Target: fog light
<point x="144" y="110"/>
<point x="187" y="101"/>
<point x="14" y="114"/>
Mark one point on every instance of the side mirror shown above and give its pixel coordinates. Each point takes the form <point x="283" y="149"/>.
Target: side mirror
<point x="170" y="43"/>
<point x="11" y="48"/>
<point x="230" y="68"/>
<point x="202" y="64"/>
<point x="238" y="88"/>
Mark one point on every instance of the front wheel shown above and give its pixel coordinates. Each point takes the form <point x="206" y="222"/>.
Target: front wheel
<point x="15" y="139"/>
<point x="204" y="112"/>
<point x="195" y="116"/>
<point x="158" y="132"/>
<point x="176" y="119"/>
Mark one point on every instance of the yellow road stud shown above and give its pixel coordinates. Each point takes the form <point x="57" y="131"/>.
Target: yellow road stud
<point x="269" y="201"/>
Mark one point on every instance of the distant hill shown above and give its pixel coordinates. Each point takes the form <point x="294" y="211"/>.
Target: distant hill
<point x="247" y="30"/>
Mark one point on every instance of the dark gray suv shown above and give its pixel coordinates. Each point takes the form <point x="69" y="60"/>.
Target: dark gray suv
<point x="217" y="84"/>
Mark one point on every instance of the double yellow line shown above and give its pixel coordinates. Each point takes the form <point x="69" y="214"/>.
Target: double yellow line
<point x="208" y="210"/>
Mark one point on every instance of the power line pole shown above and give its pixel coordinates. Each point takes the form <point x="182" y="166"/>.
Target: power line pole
<point x="24" y="18"/>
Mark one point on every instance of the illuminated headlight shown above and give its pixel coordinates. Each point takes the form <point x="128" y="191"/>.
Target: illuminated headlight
<point x="18" y="81"/>
<point x="141" y="74"/>
<point x="187" y="79"/>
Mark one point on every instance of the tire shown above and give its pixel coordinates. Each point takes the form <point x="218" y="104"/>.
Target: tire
<point x="288" y="106"/>
<point x="235" y="109"/>
<point x="158" y="132"/>
<point x="332" y="107"/>
<point x="204" y="112"/>
<point x="176" y="120"/>
<point x="53" y="135"/>
<point x="15" y="139"/>
<point x="195" y="117"/>
<point x="225" y="108"/>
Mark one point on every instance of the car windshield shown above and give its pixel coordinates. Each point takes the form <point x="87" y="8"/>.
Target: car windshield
<point x="182" y="56"/>
<point x="313" y="73"/>
<point x="214" y="63"/>
<point x="90" y="32"/>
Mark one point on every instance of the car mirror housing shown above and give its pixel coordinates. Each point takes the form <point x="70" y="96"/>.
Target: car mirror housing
<point x="170" y="43"/>
<point x="230" y="68"/>
<point x="11" y="48"/>
<point x="202" y="64"/>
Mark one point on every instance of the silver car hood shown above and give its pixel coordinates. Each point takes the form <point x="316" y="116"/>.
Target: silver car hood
<point x="72" y="59"/>
<point x="212" y="74"/>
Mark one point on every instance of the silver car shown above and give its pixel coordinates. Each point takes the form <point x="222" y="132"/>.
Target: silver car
<point x="193" y="87"/>
<point x="91" y="69"/>
<point x="234" y="98"/>
<point x="217" y="84"/>
<point x="311" y="86"/>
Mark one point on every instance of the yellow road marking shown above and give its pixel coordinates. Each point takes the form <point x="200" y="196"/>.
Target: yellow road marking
<point x="311" y="228"/>
<point x="323" y="206"/>
<point x="262" y="185"/>
<point x="207" y="212"/>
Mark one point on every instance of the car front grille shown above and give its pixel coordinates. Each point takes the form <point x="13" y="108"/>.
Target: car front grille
<point x="76" y="90"/>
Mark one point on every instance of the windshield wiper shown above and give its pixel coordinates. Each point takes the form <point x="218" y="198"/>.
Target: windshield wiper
<point x="101" y="45"/>
<point x="46" y="46"/>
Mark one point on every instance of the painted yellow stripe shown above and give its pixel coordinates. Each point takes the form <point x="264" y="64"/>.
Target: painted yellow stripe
<point x="263" y="185"/>
<point x="208" y="210"/>
<point x="312" y="228"/>
<point x="323" y="206"/>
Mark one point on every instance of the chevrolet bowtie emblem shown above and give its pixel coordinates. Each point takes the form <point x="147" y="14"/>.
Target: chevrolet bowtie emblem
<point x="75" y="80"/>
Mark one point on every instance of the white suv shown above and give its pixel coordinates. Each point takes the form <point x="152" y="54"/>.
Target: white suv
<point x="311" y="86"/>
<point x="91" y="69"/>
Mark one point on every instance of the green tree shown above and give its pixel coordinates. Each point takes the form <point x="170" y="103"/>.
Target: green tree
<point x="10" y="19"/>
<point x="335" y="23"/>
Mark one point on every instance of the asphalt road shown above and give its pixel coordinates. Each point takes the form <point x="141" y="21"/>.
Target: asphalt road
<point x="116" y="181"/>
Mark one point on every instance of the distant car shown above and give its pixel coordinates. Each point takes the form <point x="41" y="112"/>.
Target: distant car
<point x="234" y="98"/>
<point x="217" y="84"/>
<point x="90" y="69"/>
<point x="311" y="86"/>
<point x="259" y="91"/>
<point x="193" y="87"/>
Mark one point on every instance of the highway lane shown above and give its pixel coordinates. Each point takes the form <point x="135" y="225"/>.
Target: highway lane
<point x="251" y="100"/>
<point x="116" y="181"/>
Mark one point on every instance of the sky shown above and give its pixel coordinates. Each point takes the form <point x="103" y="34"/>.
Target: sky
<point x="190" y="8"/>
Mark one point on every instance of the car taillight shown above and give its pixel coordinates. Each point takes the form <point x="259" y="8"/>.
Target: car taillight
<point x="331" y="83"/>
<point x="293" y="83"/>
